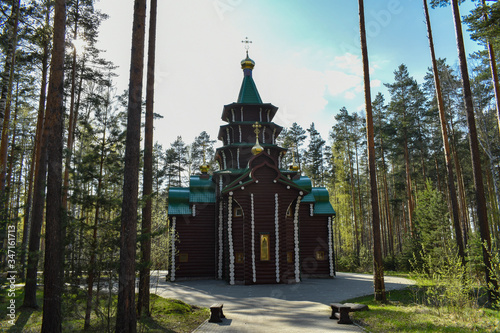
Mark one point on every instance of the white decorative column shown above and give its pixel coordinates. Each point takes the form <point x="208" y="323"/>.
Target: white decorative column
<point x="221" y="245"/>
<point x="330" y="245"/>
<point x="239" y="126"/>
<point x="224" y="158"/>
<point x="254" y="273"/>
<point x="238" y="157"/>
<point x="296" y="238"/>
<point x="277" y="234"/>
<point x="228" y="136"/>
<point x="194" y="210"/>
<point x="172" y="239"/>
<point x="241" y="110"/>
<point x="230" y="237"/>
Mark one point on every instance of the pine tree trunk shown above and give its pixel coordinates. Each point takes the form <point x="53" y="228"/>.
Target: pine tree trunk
<point x="144" y="276"/>
<point x="7" y="79"/>
<point x="40" y="172"/>
<point x="494" y="72"/>
<point x="126" y="321"/>
<point x="353" y="199"/>
<point x="54" y="239"/>
<point x="447" y="152"/>
<point x="72" y="114"/>
<point x="482" y="213"/>
<point x="93" y="250"/>
<point x="378" y="267"/>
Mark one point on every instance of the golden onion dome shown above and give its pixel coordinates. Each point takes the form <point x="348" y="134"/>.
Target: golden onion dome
<point x="204" y="168"/>
<point x="257" y="149"/>
<point x="294" y="167"/>
<point x="247" y="63"/>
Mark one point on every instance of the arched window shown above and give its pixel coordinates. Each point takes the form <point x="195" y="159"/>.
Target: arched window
<point x="264" y="247"/>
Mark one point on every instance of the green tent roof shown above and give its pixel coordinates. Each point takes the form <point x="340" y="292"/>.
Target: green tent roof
<point x="248" y="92"/>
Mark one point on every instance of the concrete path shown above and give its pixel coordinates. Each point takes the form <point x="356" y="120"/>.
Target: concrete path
<point x="302" y="307"/>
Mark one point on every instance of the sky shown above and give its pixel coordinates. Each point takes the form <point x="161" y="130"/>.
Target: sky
<point x="307" y="56"/>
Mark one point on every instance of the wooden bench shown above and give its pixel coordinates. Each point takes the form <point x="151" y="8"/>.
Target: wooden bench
<point x="341" y="311"/>
<point x="216" y="313"/>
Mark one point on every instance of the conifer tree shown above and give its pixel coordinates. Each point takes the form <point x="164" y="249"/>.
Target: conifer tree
<point x="378" y="269"/>
<point x="126" y="321"/>
<point x="54" y="238"/>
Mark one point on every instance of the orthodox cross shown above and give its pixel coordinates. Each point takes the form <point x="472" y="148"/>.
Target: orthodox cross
<point x="247" y="43"/>
<point x="204" y="146"/>
<point x="257" y="148"/>
<point x="257" y="127"/>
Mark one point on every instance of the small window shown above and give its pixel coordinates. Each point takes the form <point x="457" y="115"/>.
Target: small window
<point x="183" y="257"/>
<point x="320" y="255"/>
<point x="289" y="257"/>
<point x="238" y="212"/>
<point x="240" y="257"/>
<point x="264" y="247"/>
<point x="289" y="212"/>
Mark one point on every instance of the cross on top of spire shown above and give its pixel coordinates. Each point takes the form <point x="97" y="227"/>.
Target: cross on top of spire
<point x="247" y="43"/>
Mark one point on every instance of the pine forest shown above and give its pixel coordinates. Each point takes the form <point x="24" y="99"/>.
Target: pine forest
<point x="84" y="182"/>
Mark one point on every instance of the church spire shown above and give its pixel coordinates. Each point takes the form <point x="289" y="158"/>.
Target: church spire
<point x="248" y="91"/>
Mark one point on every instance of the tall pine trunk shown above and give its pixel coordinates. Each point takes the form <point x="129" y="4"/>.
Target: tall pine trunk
<point x="482" y="214"/>
<point x="54" y="240"/>
<point x="378" y="267"/>
<point x="144" y="275"/>
<point x="126" y="320"/>
<point x="40" y="172"/>
<point x="447" y="152"/>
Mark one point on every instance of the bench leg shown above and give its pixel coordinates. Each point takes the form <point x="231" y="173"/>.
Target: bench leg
<point x="344" y="316"/>
<point x="216" y="315"/>
<point x="334" y="311"/>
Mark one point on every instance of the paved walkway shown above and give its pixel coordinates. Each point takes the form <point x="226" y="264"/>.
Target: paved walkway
<point x="302" y="307"/>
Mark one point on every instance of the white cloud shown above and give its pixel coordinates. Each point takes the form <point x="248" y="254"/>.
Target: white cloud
<point x="349" y="95"/>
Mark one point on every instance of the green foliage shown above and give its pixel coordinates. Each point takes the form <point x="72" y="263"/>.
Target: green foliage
<point x="167" y="315"/>
<point x="402" y="313"/>
<point x="313" y="157"/>
<point x="432" y="224"/>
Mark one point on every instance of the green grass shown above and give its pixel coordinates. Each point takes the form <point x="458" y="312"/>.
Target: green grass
<point x="167" y="315"/>
<point x="403" y="313"/>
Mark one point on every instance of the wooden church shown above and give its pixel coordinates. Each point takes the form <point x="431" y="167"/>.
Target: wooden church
<point x="255" y="221"/>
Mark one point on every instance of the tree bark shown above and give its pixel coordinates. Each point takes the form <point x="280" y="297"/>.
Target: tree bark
<point x="40" y="156"/>
<point x="144" y="275"/>
<point x="447" y="152"/>
<point x="73" y="115"/>
<point x="378" y="267"/>
<point x="126" y="320"/>
<point x="482" y="214"/>
<point x="54" y="240"/>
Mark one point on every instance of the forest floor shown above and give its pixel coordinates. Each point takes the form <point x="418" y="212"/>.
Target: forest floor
<point x="404" y="311"/>
<point x="168" y="315"/>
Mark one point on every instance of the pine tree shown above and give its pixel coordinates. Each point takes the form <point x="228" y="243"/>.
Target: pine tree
<point x="54" y="238"/>
<point x="378" y="269"/>
<point x="313" y="158"/>
<point x="126" y="313"/>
